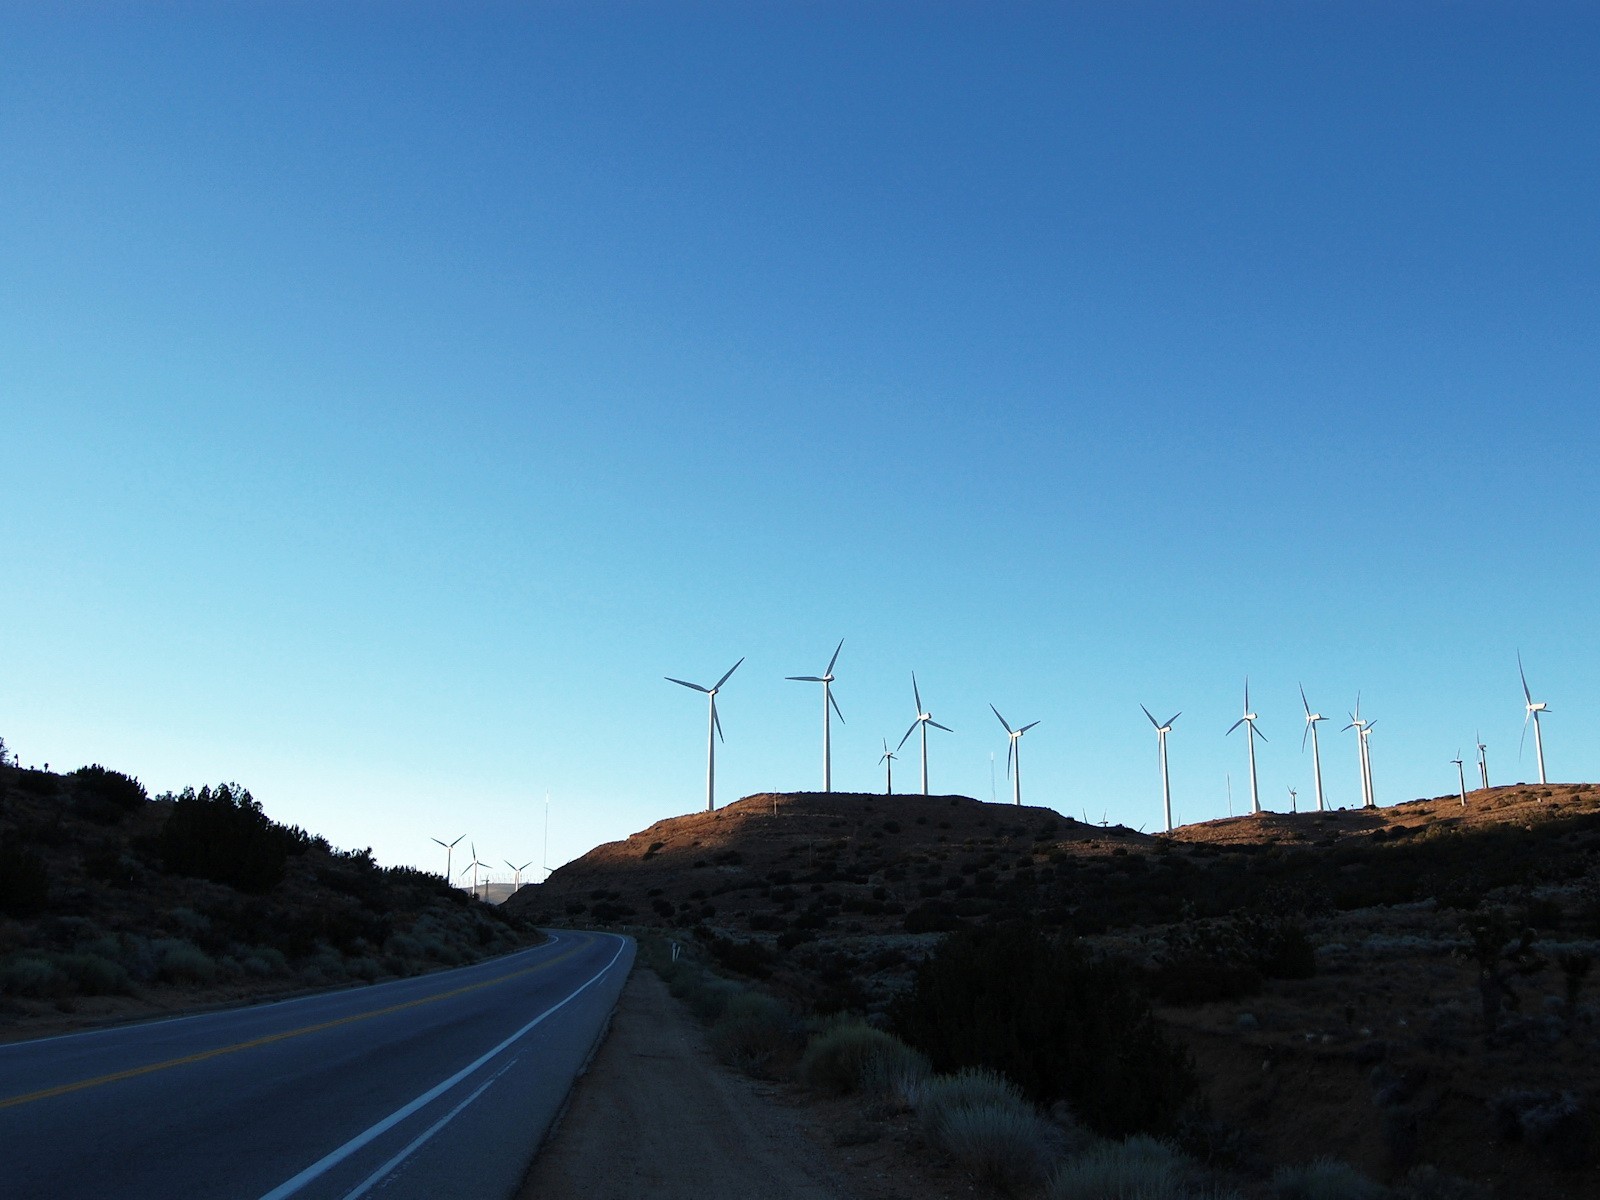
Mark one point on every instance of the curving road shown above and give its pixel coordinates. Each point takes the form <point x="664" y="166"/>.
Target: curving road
<point x="439" y="1086"/>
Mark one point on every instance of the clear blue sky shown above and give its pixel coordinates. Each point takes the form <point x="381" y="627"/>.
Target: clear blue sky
<point x="391" y="395"/>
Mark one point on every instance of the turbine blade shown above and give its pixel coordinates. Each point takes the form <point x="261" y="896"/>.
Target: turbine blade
<point x="716" y="721"/>
<point x="835" y="657"/>
<point x="909" y="732"/>
<point x="1305" y="702"/>
<point x="1026" y="727"/>
<point x="835" y="704"/>
<point x="446" y="845"/>
<point x="936" y="725"/>
<point x="687" y="684"/>
<point x="996" y="712"/>
<point x="1173" y="718"/>
<point x="1234" y="726"/>
<point x="1304" y="734"/>
<point x="457" y="842"/>
<point x="1526" y="695"/>
<point x="1523" y="740"/>
<point x="1257" y="732"/>
<point x="1151" y="719"/>
<point x="731" y="670"/>
<point x="1247" y="693"/>
<point x="805" y="678"/>
<point x="915" y="692"/>
<point x="1011" y="752"/>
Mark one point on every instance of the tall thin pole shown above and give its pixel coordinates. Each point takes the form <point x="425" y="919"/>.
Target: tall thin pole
<point x="924" y="725"/>
<point x="1538" y="744"/>
<point x="1250" y="736"/>
<point x="711" y="757"/>
<point x="827" y="751"/>
<point x="888" y="775"/>
<point x="1461" y="776"/>
<point x="1016" y="772"/>
<point x="1366" y="768"/>
<point x="1166" y="786"/>
<point x="1483" y="764"/>
<point x="1316" y="767"/>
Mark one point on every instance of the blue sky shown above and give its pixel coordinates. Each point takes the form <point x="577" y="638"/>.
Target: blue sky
<point x="393" y="394"/>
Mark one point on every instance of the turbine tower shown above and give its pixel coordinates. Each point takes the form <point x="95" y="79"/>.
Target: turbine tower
<point x="1293" y="799"/>
<point x="924" y="719"/>
<point x="826" y="680"/>
<point x="517" y="871"/>
<point x="1363" y="728"/>
<point x="888" y="768"/>
<point x="473" y="867"/>
<point x="1014" y="752"/>
<point x="1316" y="752"/>
<point x="449" y="847"/>
<point x="1162" y="729"/>
<point x="1533" y="715"/>
<point x="713" y="730"/>
<point x="1483" y="761"/>
<point x="1461" y="777"/>
<point x="1252" y="733"/>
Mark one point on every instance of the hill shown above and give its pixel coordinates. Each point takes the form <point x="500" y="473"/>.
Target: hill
<point x="1392" y="987"/>
<point x="115" y="905"/>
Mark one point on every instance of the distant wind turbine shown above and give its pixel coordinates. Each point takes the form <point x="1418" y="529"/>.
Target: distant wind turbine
<point x="1483" y="760"/>
<point x="1162" y="729"/>
<point x="517" y="872"/>
<point x="826" y="680"/>
<point x="449" y="847"/>
<point x="713" y="730"/>
<point x="888" y="768"/>
<point x="1251" y="734"/>
<point x="1293" y="797"/>
<point x="1363" y="728"/>
<point x="1316" y="753"/>
<point x="924" y="719"/>
<point x="473" y="867"/>
<point x="1014" y="755"/>
<point x="1533" y="715"/>
<point x="1461" y="777"/>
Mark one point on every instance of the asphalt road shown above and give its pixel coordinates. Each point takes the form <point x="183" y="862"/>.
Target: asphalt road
<point x="439" y="1086"/>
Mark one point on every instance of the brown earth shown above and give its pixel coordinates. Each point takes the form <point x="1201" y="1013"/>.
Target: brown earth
<point x="656" y="1115"/>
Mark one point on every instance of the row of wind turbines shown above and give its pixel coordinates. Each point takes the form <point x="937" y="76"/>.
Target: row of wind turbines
<point x="476" y="864"/>
<point x="1362" y="726"/>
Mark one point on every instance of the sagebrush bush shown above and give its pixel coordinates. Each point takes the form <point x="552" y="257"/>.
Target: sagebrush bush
<point x="1061" y="1025"/>
<point x="940" y="1095"/>
<point x="1006" y="1145"/>
<point x="850" y="1055"/>
<point x="94" y="975"/>
<point x="1324" y="1179"/>
<point x="754" y="1032"/>
<point x="31" y="975"/>
<point x="181" y="961"/>
<point x="1140" y="1168"/>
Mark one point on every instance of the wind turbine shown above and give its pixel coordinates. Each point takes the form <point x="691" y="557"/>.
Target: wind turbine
<point x="1014" y="752"/>
<point x="1461" y="777"/>
<point x="1483" y="761"/>
<point x="449" y="848"/>
<point x="713" y="731"/>
<point x="924" y="719"/>
<point x="1252" y="733"/>
<point x="888" y="768"/>
<point x="473" y="867"/>
<point x="1293" y="796"/>
<point x="1363" y="728"/>
<point x="517" y="872"/>
<point x="1316" y="752"/>
<point x="1533" y="715"/>
<point x="826" y="680"/>
<point x="1162" y="729"/>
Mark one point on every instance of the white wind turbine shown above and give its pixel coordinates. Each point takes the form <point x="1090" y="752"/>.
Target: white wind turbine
<point x="1363" y="728"/>
<point x="449" y="848"/>
<point x="1316" y="752"/>
<point x="1483" y="760"/>
<point x="1162" y="729"/>
<point x="924" y="719"/>
<point x="1533" y="715"/>
<point x="713" y="730"/>
<point x="517" y="873"/>
<point x="1252" y="733"/>
<point x="473" y="867"/>
<point x="1461" y="777"/>
<point x="826" y="680"/>
<point x="1014" y="753"/>
<point x="1293" y="798"/>
<point x="888" y="768"/>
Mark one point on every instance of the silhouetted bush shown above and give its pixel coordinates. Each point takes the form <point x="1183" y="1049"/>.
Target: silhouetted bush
<point x="24" y="882"/>
<point x="1223" y="960"/>
<point x="1059" y="1024"/>
<point x="224" y="836"/>
<point x="107" y="796"/>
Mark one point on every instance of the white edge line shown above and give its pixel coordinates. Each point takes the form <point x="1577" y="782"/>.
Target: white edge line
<point x="273" y="1005"/>
<point x="322" y="1165"/>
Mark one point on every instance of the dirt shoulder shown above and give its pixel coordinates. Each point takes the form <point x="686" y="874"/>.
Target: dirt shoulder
<point x="657" y="1116"/>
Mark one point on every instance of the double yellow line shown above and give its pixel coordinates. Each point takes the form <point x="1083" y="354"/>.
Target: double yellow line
<point x="62" y="1089"/>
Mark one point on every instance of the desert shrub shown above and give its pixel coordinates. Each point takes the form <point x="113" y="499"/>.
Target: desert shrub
<point x="1005" y="1145"/>
<point x="94" y="975"/>
<point x="224" y="836"/>
<point x="1554" y="1121"/>
<point x="181" y="961"/>
<point x="753" y="1032"/>
<point x="1059" y="1024"/>
<point x="1324" y="1179"/>
<point x="704" y="994"/>
<point x="1140" y="1168"/>
<point x="24" y="882"/>
<point x="1429" y="1183"/>
<point x="1226" y="959"/>
<point x="31" y="975"/>
<point x="940" y="1095"/>
<point x="851" y="1056"/>
<point x="745" y="958"/>
<point x="107" y="796"/>
<point x="934" y="916"/>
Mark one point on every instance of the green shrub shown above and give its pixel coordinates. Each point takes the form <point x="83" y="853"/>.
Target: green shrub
<point x="852" y="1056"/>
<point x="181" y="961"/>
<point x="32" y="975"/>
<point x="107" y="796"/>
<point x="1059" y="1024"/>
<point x="224" y="836"/>
<point x="1005" y="1145"/>
<point x="1324" y="1179"/>
<point x="754" y="1031"/>
<point x="940" y="1095"/>
<point x="94" y="975"/>
<point x="1140" y="1168"/>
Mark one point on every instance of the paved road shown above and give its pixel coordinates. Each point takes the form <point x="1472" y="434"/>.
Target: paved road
<point x="434" y="1087"/>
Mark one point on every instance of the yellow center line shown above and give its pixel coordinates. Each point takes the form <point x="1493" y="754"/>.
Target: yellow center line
<point x="63" y="1089"/>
